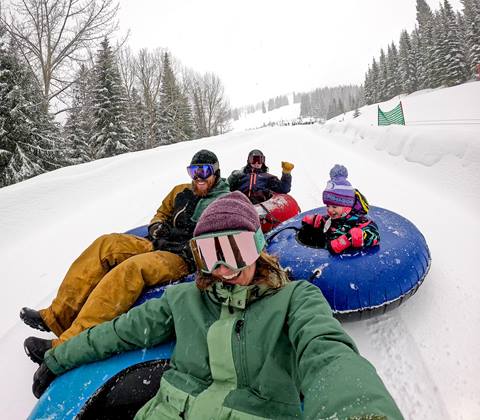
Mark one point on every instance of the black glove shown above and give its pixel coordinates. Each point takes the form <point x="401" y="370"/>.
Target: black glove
<point x="42" y="378"/>
<point x="158" y="230"/>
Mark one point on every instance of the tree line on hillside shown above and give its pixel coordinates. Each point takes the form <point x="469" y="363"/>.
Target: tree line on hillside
<point x="319" y="104"/>
<point x="59" y="60"/>
<point x="442" y="50"/>
<point x="272" y="103"/>
<point x="328" y="102"/>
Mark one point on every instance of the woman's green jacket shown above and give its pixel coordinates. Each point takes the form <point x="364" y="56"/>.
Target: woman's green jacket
<point x="242" y="353"/>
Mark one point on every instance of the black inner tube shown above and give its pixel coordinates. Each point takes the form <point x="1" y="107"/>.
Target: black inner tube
<point x="125" y="393"/>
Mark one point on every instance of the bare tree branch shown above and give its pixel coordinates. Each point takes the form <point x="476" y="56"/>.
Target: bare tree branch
<point x="55" y="35"/>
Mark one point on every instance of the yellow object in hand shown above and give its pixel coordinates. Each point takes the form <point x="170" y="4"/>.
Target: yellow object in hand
<point x="287" y="167"/>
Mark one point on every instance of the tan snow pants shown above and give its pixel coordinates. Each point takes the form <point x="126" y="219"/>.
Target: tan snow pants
<point x="106" y="280"/>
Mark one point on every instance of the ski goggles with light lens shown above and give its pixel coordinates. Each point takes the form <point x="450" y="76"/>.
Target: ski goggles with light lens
<point x="234" y="249"/>
<point x="256" y="159"/>
<point x="202" y="171"/>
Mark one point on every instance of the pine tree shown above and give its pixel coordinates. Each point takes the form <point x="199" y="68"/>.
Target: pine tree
<point x="305" y="106"/>
<point x="393" y="72"/>
<point x="371" y="84"/>
<point x="382" y="77"/>
<point x="111" y="133"/>
<point x="453" y="66"/>
<point x="271" y="104"/>
<point x="80" y="119"/>
<point x="437" y="53"/>
<point x="29" y="140"/>
<point x="472" y="33"/>
<point x="332" y="109"/>
<point x="427" y="70"/>
<point x="462" y="34"/>
<point x="138" y="120"/>
<point x="175" y="114"/>
<point x="406" y="64"/>
<point x="415" y="59"/>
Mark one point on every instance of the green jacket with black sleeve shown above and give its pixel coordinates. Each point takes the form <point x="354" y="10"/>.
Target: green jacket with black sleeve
<point x="242" y="352"/>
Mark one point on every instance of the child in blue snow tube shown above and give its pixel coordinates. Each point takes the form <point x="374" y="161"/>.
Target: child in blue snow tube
<point x="345" y="226"/>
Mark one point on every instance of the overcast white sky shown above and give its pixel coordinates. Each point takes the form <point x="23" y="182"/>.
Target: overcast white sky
<point x="263" y="48"/>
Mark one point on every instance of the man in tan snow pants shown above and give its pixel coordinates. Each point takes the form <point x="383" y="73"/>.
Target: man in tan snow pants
<point x="109" y="276"/>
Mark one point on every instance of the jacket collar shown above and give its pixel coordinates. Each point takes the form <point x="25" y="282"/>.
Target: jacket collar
<point x="235" y="296"/>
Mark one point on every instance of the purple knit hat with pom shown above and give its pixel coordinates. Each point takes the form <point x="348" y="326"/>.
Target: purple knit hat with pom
<point x="339" y="192"/>
<point x="232" y="211"/>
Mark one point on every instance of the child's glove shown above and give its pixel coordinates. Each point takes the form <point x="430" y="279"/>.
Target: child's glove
<point x="340" y="244"/>
<point x="314" y="220"/>
<point x="287" y="167"/>
<point x="356" y="237"/>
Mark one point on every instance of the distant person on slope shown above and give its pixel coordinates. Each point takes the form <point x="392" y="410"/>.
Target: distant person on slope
<point x="345" y="226"/>
<point x="109" y="276"/>
<point x="256" y="183"/>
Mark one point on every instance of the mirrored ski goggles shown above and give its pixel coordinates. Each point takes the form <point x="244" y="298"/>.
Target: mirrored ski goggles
<point x="256" y="159"/>
<point x="234" y="249"/>
<point x="202" y="171"/>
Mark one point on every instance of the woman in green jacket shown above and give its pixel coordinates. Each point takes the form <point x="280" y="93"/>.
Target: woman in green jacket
<point x="249" y="343"/>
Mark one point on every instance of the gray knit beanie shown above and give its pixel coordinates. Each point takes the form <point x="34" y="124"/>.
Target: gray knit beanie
<point x="232" y="211"/>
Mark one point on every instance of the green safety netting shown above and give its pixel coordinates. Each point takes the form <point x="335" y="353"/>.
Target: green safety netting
<point x="395" y="116"/>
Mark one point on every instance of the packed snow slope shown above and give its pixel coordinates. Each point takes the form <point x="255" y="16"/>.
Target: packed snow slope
<point x="427" y="351"/>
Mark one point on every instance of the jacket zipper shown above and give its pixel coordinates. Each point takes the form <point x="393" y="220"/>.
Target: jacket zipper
<point x="242" y="344"/>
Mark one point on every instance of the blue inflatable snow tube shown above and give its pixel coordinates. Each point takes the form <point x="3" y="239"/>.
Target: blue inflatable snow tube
<point x="75" y="394"/>
<point x="356" y="284"/>
<point x="359" y="283"/>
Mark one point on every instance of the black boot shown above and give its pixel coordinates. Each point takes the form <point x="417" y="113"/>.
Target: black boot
<point x="36" y="348"/>
<point x="32" y="318"/>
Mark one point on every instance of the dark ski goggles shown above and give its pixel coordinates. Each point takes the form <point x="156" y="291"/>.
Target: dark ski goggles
<point x="233" y="249"/>
<point x="256" y="159"/>
<point x="202" y="171"/>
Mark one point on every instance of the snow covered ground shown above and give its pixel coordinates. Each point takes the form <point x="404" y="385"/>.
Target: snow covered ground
<point x="427" y="351"/>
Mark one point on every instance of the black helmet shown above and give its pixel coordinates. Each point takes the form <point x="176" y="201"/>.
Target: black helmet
<point x="256" y="152"/>
<point x="256" y="156"/>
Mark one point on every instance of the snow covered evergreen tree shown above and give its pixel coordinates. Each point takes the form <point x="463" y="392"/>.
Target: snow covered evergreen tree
<point x="305" y="106"/>
<point x="382" y="77"/>
<point x="371" y="83"/>
<point x="80" y="119"/>
<point x="333" y="109"/>
<point x="407" y="62"/>
<point x="472" y="33"/>
<point x="111" y="135"/>
<point x="453" y="66"/>
<point x="175" y="114"/>
<point x="138" y="120"/>
<point x="29" y="140"/>
<point x="426" y="45"/>
<point x="438" y="53"/>
<point x="393" y="72"/>
<point x="271" y="104"/>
